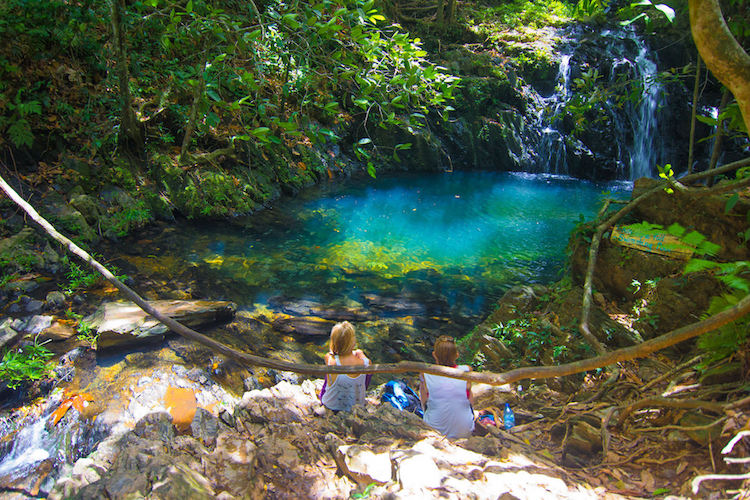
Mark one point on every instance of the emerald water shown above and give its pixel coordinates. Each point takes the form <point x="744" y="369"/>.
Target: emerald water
<point x="438" y="245"/>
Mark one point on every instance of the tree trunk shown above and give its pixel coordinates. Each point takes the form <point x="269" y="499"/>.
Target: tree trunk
<point x="440" y="16"/>
<point x="190" y="127"/>
<point x="696" y="86"/>
<point x="130" y="136"/>
<point x="721" y="52"/>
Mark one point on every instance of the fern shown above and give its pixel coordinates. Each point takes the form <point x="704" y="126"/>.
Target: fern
<point x="695" y="265"/>
<point x="694" y="239"/>
<point x="20" y="133"/>
<point x="726" y="341"/>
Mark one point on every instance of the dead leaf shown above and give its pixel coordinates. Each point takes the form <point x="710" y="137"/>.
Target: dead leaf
<point x="61" y="410"/>
<point x="681" y="467"/>
<point x="648" y="480"/>
<point x="77" y="401"/>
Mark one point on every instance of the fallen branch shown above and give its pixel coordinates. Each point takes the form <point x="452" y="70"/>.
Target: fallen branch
<point x="671" y="372"/>
<point x="531" y="372"/>
<point x="681" y="428"/>
<point x="737" y="438"/>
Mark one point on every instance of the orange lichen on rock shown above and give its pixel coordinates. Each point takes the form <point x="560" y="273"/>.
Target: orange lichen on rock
<point x="181" y="404"/>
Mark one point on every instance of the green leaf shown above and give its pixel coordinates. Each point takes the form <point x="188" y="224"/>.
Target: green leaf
<point x="666" y="10"/>
<point x="189" y="7"/>
<point x="708" y="120"/>
<point x="693" y="238"/>
<point x="331" y="107"/>
<point x="253" y="35"/>
<point x="260" y="132"/>
<point x="735" y="282"/>
<point x="708" y="248"/>
<point x="695" y="265"/>
<point x="364" y="141"/>
<point x="371" y="169"/>
<point x="291" y="21"/>
<point x="731" y="202"/>
<point x="288" y="126"/>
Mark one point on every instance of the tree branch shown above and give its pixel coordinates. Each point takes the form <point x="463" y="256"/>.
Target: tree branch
<point x="532" y="372"/>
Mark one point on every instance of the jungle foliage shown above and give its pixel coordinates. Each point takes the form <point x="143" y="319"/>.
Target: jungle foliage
<point x="209" y="80"/>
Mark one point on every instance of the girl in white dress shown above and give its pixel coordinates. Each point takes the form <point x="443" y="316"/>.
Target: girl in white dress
<point x="341" y="392"/>
<point x="447" y="401"/>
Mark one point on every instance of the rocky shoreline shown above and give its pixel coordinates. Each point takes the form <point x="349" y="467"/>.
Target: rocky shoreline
<point x="281" y="443"/>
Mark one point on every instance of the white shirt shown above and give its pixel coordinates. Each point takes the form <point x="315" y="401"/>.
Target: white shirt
<point x="345" y="391"/>
<point x="448" y="409"/>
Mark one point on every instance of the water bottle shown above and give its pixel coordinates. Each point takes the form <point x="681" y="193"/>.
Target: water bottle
<point x="509" y="419"/>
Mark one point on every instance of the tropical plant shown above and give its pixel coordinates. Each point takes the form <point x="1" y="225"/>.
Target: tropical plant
<point x="27" y="363"/>
<point x="729" y="339"/>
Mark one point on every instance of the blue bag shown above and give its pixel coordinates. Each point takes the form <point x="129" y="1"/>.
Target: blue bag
<point x="401" y="396"/>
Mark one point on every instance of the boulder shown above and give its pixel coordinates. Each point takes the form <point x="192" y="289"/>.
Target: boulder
<point x="32" y="324"/>
<point x="55" y="300"/>
<point x="363" y="465"/>
<point x="121" y="324"/>
<point x="8" y="335"/>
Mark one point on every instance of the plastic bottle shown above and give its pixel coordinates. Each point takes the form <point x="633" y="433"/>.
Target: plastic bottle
<point x="509" y="419"/>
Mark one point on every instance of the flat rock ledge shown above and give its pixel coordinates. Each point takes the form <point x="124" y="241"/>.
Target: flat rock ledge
<point x="124" y="324"/>
<point x="281" y="443"/>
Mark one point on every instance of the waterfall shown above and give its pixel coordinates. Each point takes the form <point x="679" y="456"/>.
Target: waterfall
<point x="551" y="153"/>
<point x="35" y="447"/>
<point x="629" y="145"/>
<point x="647" y="146"/>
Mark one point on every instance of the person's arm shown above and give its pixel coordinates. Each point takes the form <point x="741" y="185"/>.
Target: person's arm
<point x="361" y="355"/>
<point x="330" y="360"/>
<point x="469" y="395"/>
<point x="423" y="392"/>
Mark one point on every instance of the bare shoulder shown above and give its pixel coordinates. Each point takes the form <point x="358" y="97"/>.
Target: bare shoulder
<point x="359" y="354"/>
<point x="330" y="359"/>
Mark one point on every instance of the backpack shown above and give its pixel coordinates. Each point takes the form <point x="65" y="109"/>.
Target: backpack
<point x="401" y="396"/>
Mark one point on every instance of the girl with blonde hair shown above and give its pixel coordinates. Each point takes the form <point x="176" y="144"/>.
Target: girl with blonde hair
<point x="341" y="392"/>
<point x="447" y="401"/>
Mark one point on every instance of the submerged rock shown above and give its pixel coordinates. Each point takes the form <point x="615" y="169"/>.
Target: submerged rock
<point x="123" y="323"/>
<point x="306" y="325"/>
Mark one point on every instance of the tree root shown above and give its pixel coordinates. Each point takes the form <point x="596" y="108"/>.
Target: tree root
<point x="626" y="410"/>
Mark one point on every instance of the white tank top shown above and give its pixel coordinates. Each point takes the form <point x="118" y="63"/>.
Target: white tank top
<point x="345" y="391"/>
<point x="448" y="408"/>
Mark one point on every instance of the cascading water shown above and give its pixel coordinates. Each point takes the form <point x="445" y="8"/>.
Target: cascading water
<point x="640" y="135"/>
<point x="552" y="154"/>
<point x="630" y="144"/>
<point x="36" y="446"/>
